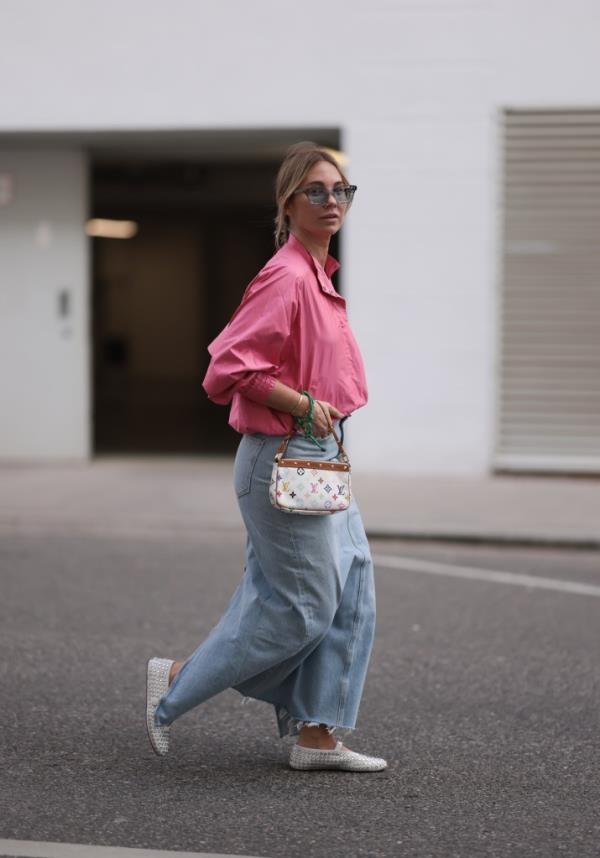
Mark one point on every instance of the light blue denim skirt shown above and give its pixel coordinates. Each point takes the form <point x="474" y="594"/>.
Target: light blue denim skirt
<point x="298" y="630"/>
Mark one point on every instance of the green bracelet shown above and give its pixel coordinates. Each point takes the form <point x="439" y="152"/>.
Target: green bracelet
<point x="305" y="422"/>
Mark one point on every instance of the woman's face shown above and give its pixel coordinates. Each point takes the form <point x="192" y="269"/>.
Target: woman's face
<point x="318" y="220"/>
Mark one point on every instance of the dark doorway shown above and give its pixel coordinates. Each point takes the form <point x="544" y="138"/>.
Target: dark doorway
<point x="159" y="298"/>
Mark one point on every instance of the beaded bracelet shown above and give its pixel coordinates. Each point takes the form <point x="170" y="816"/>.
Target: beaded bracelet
<point x="305" y="421"/>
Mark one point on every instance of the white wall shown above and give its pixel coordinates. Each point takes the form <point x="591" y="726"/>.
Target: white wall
<point x="44" y="386"/>
<point x="416" y="87"/>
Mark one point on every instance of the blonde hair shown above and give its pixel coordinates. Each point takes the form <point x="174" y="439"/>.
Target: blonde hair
<point x="298" y="160"/>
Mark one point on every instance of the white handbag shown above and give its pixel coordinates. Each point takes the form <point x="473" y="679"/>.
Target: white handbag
<point x="309" y="487"/>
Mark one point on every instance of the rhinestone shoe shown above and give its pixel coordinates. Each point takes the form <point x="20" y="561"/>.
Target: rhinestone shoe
<point x="334" y="758"/>
<point x="157" y="682"/>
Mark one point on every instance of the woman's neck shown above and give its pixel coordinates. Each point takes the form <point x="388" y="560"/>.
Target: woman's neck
<point x="317" y="247"/>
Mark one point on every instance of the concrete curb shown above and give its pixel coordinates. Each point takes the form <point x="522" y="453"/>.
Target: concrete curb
<point x="574" y="543"/>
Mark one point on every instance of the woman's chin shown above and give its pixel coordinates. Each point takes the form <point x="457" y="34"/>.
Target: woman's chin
<point x="327" y="229"/>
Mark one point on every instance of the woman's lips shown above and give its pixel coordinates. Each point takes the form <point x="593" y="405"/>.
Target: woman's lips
<point x="329" y="217"/>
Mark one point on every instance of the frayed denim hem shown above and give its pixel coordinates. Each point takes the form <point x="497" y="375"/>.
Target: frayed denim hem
<point x="290" y="726"/>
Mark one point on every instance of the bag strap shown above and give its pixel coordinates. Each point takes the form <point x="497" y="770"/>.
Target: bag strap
<point x="283" y="446"/>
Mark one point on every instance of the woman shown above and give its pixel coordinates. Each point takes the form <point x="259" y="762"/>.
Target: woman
<point x="299" y="628"/>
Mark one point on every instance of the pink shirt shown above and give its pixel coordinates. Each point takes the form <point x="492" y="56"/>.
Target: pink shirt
<point x="291" y="326"/>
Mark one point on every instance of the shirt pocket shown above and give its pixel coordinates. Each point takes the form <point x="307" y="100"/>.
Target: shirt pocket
<point x="245" y="462"/>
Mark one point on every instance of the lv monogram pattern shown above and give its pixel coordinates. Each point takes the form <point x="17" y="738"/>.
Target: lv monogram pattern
<point x="309" y="491"/>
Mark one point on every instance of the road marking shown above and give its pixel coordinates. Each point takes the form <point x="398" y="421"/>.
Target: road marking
<point x="472" y="573"/>
<point x="33" y="849"/>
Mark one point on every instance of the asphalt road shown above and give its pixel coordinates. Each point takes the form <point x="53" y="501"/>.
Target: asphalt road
<point x="482" y="695"/>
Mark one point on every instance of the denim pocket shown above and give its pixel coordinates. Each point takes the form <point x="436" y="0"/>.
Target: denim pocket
<point x="245" y="462"/>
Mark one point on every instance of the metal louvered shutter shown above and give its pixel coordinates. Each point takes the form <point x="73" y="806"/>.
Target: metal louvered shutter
<point x="549" y="388"/>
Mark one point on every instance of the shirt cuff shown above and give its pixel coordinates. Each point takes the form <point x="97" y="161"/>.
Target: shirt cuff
<point x="257" y="387"/>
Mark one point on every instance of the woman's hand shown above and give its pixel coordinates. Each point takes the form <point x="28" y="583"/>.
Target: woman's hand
<point x="284" y="398"/>
<point x="323" y="416"/>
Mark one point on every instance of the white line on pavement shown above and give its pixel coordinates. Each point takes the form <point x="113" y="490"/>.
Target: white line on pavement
<point x="33" y="849"/>
<point x="471" y="573"/>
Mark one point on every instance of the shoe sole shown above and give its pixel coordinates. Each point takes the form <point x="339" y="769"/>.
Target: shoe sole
<point x="149" y="714"/>
<point x="332" y="765"/>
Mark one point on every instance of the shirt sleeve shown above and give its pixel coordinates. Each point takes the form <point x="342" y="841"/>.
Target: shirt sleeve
<point x="246" y="356"/>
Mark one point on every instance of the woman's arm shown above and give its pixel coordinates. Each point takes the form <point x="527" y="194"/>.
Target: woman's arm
<point x="246" y="356"/>
<point x="284" y="398"/>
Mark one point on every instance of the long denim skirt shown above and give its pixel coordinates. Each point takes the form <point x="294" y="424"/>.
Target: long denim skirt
<point x="298" y="630"/>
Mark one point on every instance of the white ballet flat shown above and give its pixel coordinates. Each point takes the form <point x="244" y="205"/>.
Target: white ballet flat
<point x="336" y="758"/>
<point x="157" y="683"/>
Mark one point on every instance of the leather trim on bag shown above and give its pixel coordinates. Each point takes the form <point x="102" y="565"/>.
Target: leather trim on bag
<point x="313" y="466"/>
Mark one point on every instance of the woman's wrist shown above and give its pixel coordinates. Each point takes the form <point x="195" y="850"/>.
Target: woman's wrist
<point x="301" y="406"/>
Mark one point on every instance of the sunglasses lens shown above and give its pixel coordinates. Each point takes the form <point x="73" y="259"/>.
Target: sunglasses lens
<point x="341" y="195"/>
<point x="317" y="196"/>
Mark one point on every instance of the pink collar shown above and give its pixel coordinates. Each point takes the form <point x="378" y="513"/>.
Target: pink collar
<point x="331" y="263"/>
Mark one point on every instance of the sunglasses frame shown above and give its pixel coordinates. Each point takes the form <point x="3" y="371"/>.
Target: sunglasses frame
<point x="352" y="188"/>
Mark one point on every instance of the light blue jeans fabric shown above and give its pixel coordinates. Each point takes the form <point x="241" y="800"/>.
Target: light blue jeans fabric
<point x="298" y="630"/>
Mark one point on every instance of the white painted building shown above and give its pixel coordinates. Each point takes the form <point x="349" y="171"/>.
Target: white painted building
<point x="470" y="258"/>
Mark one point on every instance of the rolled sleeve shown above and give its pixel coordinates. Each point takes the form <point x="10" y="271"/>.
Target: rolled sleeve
<point x="257" y="386"/>
<point x="246" y="356"/>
